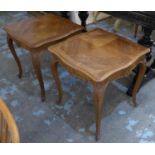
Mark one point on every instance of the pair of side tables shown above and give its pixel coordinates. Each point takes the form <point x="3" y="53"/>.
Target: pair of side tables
<point x="98" y="56"/>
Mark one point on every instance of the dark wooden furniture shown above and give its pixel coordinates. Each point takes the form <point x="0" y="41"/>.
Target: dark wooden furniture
<point x="35" y="35"/>
<point x="144" y="18"/>
<point x="98" y="56"/>
<point x="8" y="129"/>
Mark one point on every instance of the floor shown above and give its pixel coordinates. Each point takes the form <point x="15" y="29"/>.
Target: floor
<point x="74" y="120"/>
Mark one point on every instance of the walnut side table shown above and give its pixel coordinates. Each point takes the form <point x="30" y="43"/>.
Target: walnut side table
<point x="98" y="56"/>
<point x="37" y="34"/>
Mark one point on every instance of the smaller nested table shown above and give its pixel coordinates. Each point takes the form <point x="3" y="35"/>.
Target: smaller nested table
<point x="99" y="56"/>
<point x="37" y="34"/>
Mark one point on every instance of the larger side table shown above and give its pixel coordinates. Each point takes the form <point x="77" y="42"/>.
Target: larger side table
<point x="99" y="56"/>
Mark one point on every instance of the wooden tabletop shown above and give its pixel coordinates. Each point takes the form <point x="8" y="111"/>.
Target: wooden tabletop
<point x="98" y="53"/>
<point x="41" y="30"/>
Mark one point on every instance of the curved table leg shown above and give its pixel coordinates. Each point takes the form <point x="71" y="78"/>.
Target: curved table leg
<point x="135" y="30"/>
<point x="56" y="78"/>
<point x="99" y="92"/>
<point x="95" y="14"/>
<point x="37" y="69"/>
<point x="147" y="42"/>
<point x="116" y="25"/>
<point x="140" y="76"/>
<point x="12" y="49"/>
